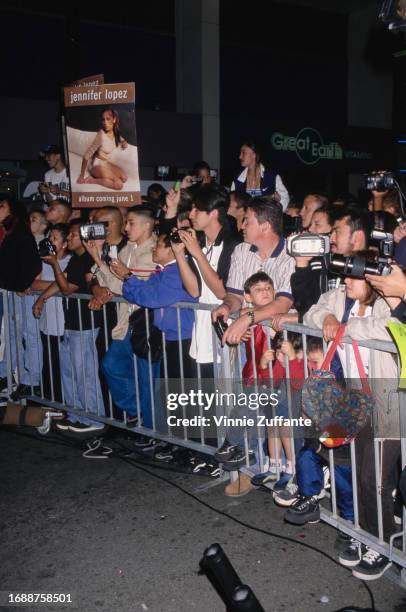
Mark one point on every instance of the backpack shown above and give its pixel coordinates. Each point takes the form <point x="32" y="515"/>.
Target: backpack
<point x="143" y="343"/>
<point x="336" y="412"/>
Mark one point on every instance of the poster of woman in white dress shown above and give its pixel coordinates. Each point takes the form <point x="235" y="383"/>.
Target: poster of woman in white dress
<point x="102" y="145"/>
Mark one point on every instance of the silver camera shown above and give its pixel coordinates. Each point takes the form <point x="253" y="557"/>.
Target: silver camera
<point x="93" y="231"/>
<point x="308" y="245"/>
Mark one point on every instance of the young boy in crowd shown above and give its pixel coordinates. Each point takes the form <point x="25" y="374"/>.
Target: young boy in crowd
<point x="159" y="292"/>
<point x="258" y="291"/>
<point x="281" y="437"/>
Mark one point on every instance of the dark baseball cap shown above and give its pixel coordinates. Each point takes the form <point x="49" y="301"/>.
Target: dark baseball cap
<point x="50" y="149"/>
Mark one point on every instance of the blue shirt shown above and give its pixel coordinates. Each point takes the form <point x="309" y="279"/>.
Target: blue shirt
<point x="160" y="291"/>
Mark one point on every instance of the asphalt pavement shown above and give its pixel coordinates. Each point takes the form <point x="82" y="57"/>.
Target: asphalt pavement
<point x="118" y="536"/>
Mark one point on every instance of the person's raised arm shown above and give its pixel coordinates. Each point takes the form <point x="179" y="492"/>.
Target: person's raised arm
<point x="187" y="275"/>
<point x="210" y="276"/>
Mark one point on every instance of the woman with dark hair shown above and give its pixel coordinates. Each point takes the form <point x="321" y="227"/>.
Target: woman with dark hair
<point x="255" y="179"/>
<point x="19" y="259"/>
<point x="19" y="266"/>
<point x="96" y="159"/>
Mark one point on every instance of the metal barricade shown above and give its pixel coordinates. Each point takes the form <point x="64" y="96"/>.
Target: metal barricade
<point x="88" y="345"/>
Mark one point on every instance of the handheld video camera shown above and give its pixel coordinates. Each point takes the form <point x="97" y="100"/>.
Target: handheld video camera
<point x="45" y="248"/>
<point x="93" y="231"/>
<point x="379" y="181"/>
<point x="308" y="245"/>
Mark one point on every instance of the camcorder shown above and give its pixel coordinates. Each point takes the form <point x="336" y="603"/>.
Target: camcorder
<point x="291" y="225"/>
<point x="308" y="245"/>
<point x="45" y="248"/>
<point x="379" y="181"/>
<point x="357" y="266"/>
<point x="220" y="327"/>
<point x="93" y="231"/>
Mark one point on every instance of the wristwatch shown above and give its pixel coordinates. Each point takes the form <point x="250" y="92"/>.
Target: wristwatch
<point x="251" y="316"/>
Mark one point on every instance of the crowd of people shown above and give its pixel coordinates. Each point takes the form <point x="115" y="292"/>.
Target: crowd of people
<point x="201" y="243"/>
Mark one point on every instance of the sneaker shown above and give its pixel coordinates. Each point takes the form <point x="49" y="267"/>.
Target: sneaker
<point x="165" y="453"/>
<point x="24" y="391"/>
<point x="342" y="541"/>
<point x="352" y="555"/>
<point x="263" y="478"/>
<point x="213" y="469"/>
<point x="304" y="510"/>
<point x="372" y="566"/>
<point x="238" y="459"/>
<point x="142" y="441"/>
<point x="46" y="424"/>
<point x="284" y="480"/>
<point x="152" y="446"/>
<point x="287" y="496"/>
<point x="240" y="487"/>
<point x="84" y="428"/>
<point x="64" y="424"/>
<point x="3" y="384"/>
<point x="132" y="420"/>
<point x="225" y="452"/>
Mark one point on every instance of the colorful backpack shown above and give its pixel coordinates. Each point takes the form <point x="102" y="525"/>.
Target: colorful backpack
<point x="337" y="413"/>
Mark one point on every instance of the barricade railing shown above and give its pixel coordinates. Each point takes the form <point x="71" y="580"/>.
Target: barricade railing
<point x="28" y="347"/>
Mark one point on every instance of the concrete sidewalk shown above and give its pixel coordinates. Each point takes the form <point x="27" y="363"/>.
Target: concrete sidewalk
<point x="120" y="540"/>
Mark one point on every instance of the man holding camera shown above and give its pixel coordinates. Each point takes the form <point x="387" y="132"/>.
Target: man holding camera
<point x="118" y="363"/>
<point x="206" y="274"/>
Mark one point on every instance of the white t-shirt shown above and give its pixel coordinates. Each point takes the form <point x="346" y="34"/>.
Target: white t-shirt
<point x="57" y="178"/>
<point x="201" y="346"/>
<point x="346" y="354"/>
<point x="52" y="321"/>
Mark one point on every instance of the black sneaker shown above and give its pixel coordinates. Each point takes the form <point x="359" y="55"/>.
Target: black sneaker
<point x="3" y="384"/>
<point x="63" y="424"/>
<point x="152" y="446"/>
<point x="132" y="420"/>
<point x="352" y="555"/>
<point x="342" y="541"/>
<point x="24" y="391"/>
<point x="142" y="441"/>
<point x="372" y="566"/>
<point x="165" y="453"/>
<point x="304" y="510"/>
<point x="225" y="452"/>
<point x="85" y="428"/>
<point x="238" y="459"/>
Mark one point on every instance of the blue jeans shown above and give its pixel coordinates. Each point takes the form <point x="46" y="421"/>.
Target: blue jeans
<point x="310" y="480"/>
<point x="118" y="369"/>
<point x="27" y="344"/>
<point x="80" y="373"/>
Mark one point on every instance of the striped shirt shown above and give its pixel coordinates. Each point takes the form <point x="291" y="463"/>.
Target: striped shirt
<point x="245" y="262"/>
